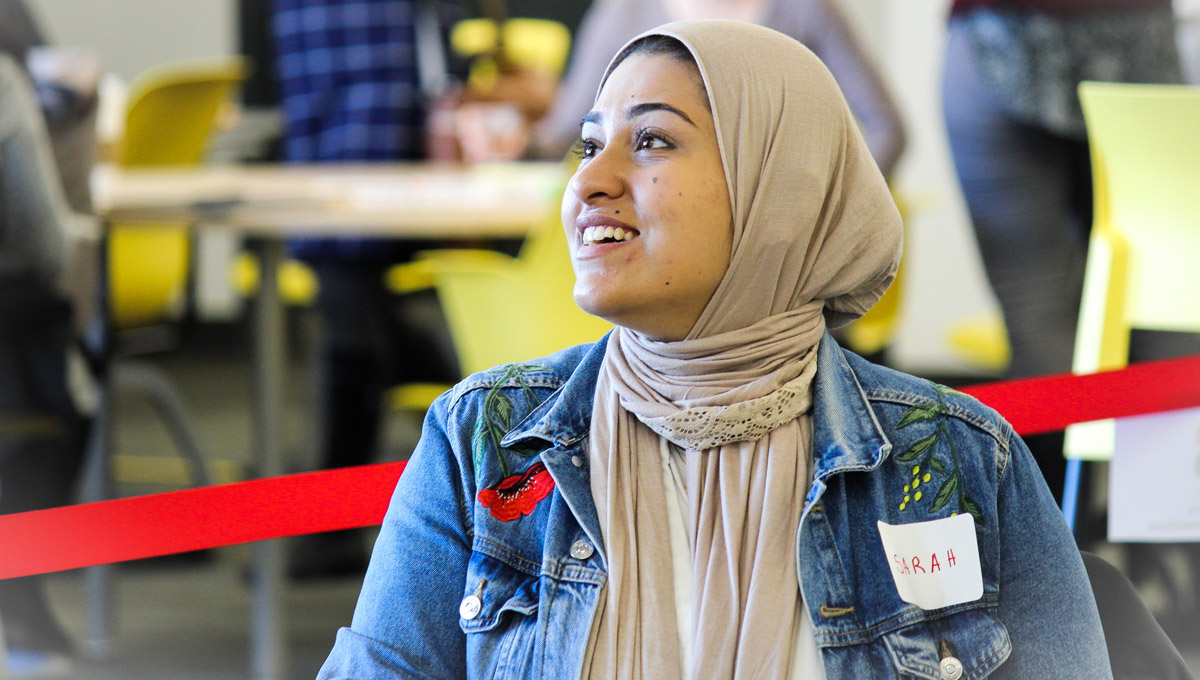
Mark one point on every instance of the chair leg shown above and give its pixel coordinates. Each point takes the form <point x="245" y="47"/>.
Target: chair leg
<point x="154" y="385"/>
<point x="1070" y="499"/>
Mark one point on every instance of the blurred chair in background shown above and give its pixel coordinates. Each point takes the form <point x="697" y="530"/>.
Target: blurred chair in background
<point x="1145" y="245"/>
<point x="1141" y="270"/>
<point x="500" y="309"/>
<point x="513" y="72"/>
<point x="1019" y="147"/>
<point x="170" y="115"/>
<point x="1138" y="648"/>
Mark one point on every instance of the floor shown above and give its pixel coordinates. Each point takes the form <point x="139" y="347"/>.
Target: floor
<point x="189" y="618"/>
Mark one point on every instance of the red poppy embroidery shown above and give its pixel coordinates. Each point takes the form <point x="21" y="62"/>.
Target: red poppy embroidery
<point x="517" y="494"/>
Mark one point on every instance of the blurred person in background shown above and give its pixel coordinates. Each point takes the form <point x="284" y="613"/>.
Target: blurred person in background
<point x="1019" y="144"/>
<point x="351" y="92"/>
<point x="42" y="441"/>
<point x="817" y="24"/>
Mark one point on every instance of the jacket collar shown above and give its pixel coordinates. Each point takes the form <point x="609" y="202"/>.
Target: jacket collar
<point x="846" y="433"/>
<point x="566" y="416"/>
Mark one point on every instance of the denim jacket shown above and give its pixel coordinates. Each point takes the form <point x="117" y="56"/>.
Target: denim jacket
<point x="490" y="562"/>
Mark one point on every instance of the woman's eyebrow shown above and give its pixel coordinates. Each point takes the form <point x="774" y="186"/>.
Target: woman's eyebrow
<point x="643" y="109"/>
<point x="638" y="110"/>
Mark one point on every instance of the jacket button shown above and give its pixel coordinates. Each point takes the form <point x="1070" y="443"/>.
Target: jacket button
<point x="952" y="668"/>
<point x="469" y="607"/>
<point x="577" y="461"/>
<point x="581" y="549"/>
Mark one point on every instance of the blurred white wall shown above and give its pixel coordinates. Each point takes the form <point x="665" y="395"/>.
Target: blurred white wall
<point x="944" y="278"/>
<point x="132" y="35"/>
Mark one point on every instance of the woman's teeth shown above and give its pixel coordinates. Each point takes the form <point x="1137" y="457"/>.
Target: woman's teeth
<point x="594" y="235"/>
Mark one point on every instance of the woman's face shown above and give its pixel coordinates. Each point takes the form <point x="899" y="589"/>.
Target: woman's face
<point x="647" y="213"/>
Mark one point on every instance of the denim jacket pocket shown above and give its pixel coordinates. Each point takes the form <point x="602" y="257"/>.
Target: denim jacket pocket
<point x="498" y="613"/>
<point x="973" y="642"/>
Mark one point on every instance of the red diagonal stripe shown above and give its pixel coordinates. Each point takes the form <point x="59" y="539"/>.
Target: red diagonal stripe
<point x="160" y="524"/>
<point x="1048" y="403"/>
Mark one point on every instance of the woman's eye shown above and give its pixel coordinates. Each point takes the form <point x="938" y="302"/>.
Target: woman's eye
<point x="584" y="148"/>
<point x="648" y="140"/>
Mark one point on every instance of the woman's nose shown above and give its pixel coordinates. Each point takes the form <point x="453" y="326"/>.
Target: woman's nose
<point x="599" y="177"/>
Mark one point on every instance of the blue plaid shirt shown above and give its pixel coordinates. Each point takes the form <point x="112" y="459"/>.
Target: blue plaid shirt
<point x="349" y="91"/>
<point x="348" y="79"/>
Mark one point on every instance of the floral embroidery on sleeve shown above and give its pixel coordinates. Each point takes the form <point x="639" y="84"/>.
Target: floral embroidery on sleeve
<point x="929" y="468"/>
<point x="516" y="494"/>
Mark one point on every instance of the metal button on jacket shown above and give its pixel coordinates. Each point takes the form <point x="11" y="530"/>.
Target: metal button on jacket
<point x="577" y="461"/>
<point x="470" y="606"/>
<point x="581" y="549"/>
<point x="952" y="668"/>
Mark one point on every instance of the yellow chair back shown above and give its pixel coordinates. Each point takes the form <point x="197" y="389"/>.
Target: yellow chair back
<point x="170" y="117"/>
<point x="1145" y="244"/>
<point x="501" y="310"/>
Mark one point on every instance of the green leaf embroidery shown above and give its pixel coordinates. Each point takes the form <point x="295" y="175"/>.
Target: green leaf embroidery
<point x="498" y="409"/>
<point x="922" y="456"/>
<point x="945" y="493"/>
<point x="918" y="447"/>
<point x="478" y="444"/>
<point x="918" y="414"/>
<point x="972" y="507"/>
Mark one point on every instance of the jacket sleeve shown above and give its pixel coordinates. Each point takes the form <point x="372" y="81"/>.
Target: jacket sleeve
<point x="1046" y="600"/>
<point x="406" y="622"/>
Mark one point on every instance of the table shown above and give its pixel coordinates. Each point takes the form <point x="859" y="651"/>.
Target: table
<point x="268" y="203"/>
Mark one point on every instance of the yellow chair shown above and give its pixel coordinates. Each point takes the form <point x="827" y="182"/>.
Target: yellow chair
<point x="1145" y="242"/>
<point x="502" y="309"/>
<point x="982" y="341"/>
<point x="170" y="117"/>
<point x="298" y="284"/>
<point x="538" y="44"/>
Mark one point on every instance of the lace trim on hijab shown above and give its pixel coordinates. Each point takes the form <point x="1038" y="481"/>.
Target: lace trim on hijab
<point x="708" y="427"/>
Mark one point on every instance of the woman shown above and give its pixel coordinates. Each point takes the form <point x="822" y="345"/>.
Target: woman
<point x="706" y="492"/>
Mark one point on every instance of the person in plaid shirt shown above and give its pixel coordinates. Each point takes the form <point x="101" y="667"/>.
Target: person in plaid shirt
<point x="350" y="91"/>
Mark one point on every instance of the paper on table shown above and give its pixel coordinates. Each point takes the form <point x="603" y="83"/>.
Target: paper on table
<point x="935" y="564"/>
<point x="1154" y="478"/>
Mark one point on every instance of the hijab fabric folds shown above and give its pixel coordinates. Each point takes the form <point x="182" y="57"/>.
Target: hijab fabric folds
<point x="816" y="241"/>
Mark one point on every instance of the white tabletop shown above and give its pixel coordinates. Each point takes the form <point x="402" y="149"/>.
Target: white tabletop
<point x="402" y="200"/>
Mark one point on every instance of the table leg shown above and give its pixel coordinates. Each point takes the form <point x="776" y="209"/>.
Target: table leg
<point x="268" y="657"/>
<point x="95" y="484"/>
<point x="98" y="581"/>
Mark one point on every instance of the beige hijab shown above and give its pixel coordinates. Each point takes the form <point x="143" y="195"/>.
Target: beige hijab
<point x="816" y="240"/>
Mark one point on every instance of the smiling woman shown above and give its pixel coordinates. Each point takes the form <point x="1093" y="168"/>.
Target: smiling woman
<point x="716" y="489"/>
<point x="649" y="167"/>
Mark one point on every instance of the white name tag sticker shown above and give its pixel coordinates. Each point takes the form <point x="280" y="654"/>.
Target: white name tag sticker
<point x="935" y="564"/>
